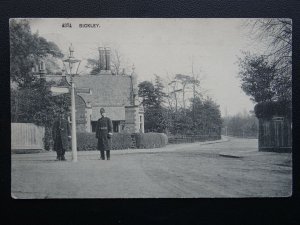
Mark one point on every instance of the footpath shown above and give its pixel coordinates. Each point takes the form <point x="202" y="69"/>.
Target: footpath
<point x="167" y="148"/>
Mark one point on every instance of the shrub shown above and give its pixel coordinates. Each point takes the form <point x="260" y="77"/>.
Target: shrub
<point x="121" y="141"/>
<point x="269" y="109"/>
<point x="150" y="140"/>
<point x="88" y="141"/>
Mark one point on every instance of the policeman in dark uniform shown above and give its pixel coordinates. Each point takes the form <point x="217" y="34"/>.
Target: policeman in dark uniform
<point x="104" y="134"/>
<point x="60" y="135"/>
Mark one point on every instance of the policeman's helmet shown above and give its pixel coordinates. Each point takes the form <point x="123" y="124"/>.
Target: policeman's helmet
<point x="102" y="110"/>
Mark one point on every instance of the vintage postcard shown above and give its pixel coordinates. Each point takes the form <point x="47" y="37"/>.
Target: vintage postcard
<point x="150" y="108"/>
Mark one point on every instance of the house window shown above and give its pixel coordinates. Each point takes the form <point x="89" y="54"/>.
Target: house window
<point x="141" y="123"/>
<point x="94" y="125"/>
<point x="116" y="125"/>
<point x="42" y="65"/>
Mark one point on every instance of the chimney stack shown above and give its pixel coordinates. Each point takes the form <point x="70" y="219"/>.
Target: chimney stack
<point x="102" y="58"/>
<point x="104" y="61"/>
<point x="107" y="58"/>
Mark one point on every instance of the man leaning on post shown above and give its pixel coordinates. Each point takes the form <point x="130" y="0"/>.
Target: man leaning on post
<point x="104" y="134"/>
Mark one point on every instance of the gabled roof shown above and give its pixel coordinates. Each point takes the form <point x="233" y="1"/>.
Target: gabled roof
<point x="106" y="90"/>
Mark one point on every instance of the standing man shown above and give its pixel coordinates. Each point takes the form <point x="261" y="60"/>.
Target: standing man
<point x="104" y="134"/>
<point x="60" y="135"/>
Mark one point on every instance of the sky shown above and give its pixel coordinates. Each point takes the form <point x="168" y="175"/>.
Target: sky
<point x="165" y="47"/>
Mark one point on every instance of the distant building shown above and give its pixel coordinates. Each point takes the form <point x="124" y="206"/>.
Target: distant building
<point x="118" y="94"/>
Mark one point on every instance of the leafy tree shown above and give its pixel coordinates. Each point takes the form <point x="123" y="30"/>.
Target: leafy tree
<point x="152" y="99"/>
<point x="206" y="116"/>
<point x="159" y="92"/>
<point x="180" y="123"/>
<point x="31" y="98"/>
<point x="203" y="117"/>
<point x="277" y="33"/>
<point x="36" y="105"/>
<point x="257" y="76"/>
<point x="26" y="49"/>
<point x="94" y="65"/>
<point x="155" y="119"/>
<point x="147" y="93"/>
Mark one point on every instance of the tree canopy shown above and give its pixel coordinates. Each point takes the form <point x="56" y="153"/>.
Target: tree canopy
<point x="257" y="76"/>
<point x="271" y="73"/>
<point x="26" y="49"/>
<point x="241" y="125"/>
<point x="31" y="98"/>
<point x="117" y="61"/>
<point x="152" y="99"/>
<point x="201" y="117"/>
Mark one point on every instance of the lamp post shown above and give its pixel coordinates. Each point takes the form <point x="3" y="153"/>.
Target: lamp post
<point x="71" y="64"/>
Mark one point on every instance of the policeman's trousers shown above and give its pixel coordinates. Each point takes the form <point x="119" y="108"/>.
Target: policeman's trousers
<point x="107" y="154"/>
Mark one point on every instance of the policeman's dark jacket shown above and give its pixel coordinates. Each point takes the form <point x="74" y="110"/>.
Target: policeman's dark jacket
<point x="104" y="126"/>
<point x="60" y="132"/>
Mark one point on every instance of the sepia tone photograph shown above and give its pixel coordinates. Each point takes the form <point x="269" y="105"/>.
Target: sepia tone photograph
<point x="151" y="108"/>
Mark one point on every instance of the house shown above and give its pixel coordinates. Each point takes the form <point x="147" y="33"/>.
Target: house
<point x="117" y="94"/>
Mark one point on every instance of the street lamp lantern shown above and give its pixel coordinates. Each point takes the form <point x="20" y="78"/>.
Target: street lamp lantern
<point x="71" y="66"/>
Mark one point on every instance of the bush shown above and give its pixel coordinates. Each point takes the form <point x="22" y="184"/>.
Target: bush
<point x="270" y="109"/>
<point x="88" y="141"/>
<point x="150" y="140"/>
<point x="121" y="141"/>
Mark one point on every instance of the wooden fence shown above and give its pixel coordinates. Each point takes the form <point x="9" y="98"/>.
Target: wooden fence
<point x="275" y="135"/>
<point x="192" y="138"/>
<point x="27" y="136"/>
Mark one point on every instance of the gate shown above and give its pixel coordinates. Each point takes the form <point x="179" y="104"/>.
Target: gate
<point x="27" y="136"/>
<point x="275" y="134"/>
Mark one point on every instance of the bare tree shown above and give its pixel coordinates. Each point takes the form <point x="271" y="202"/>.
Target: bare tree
<point x="116" y="62"/>
<point x="172" y="90"/>
<point x="185" y="81"/>
<point x="198" y="91"/>
<point x="277" y="33"/>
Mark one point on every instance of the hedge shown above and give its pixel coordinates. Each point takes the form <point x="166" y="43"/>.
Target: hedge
<point x="150" y="140"/>
<point x="121" y="141"/>
<point x="270" y="109"/>
<point x="88" y="141"/>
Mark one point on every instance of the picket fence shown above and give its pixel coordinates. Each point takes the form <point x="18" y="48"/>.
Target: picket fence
<point x="27" y="136"/>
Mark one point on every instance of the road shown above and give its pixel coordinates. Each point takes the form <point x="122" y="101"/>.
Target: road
<point x="193" y="170"/>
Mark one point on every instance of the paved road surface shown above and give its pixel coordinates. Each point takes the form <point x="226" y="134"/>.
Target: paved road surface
<point x="176" y="171"/>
